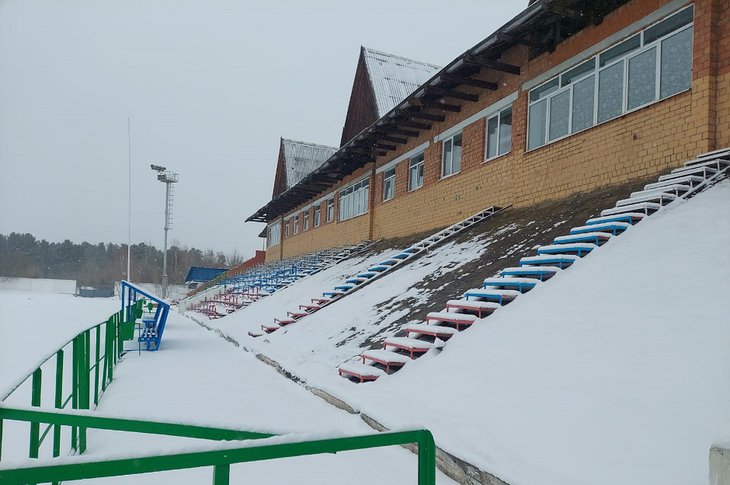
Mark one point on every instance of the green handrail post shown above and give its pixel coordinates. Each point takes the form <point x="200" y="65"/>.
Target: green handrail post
<point x="97" y="347"/>
<point x="84" y="383"/>
<point x="118" y="334"/>
<point x="74" y="388"/>
<point x="221" y="474"/>
<point x="58" y="402"/>
<point x="108" y="367"/>
<point x="426" y="459"/>
<point x="35" y="400"/>
<point x="116" y="339"/>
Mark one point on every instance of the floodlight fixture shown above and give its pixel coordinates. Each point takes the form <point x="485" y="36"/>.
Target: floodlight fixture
<point x="157" y="168"/>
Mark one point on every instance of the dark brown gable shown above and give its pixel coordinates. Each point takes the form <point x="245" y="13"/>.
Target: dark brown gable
<point x="362" y="110"/>
<point x="280" y="177"/>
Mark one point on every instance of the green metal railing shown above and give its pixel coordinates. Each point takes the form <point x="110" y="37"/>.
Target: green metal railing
<point x="93" y="355"/>
<point x="220" y="459"/>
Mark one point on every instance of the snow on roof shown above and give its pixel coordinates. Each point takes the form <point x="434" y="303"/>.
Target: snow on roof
<point x="393" y="78"/>
<point x="300" y="158"/>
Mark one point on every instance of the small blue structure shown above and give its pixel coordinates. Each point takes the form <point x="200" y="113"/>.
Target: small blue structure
<point x="153" y="324"/>
<point x="200" y="274"/>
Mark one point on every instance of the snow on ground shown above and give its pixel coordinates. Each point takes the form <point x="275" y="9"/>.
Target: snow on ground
<point x="200" y="378"/>
<point x="317" y="344"/>
<point x="617" y="371"/>
<point x="34" y="324"/>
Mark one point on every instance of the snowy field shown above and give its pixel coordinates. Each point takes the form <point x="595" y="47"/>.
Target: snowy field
<point x="34" y="324"/>
<point x="617" y="371"/>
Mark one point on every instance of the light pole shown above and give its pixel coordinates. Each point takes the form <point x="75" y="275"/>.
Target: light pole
<point x="168" y="178"/>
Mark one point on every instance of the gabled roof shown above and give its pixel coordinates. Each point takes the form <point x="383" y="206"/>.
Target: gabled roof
<point x="393" y="78"/>
<point x="297" y="159"/>
<point x="540" y="27"/>
<point x="300" y="158"/>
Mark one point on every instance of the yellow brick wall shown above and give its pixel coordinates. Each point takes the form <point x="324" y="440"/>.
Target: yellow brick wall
<point x="723" y="111"/>
<point x="723" y="74"/>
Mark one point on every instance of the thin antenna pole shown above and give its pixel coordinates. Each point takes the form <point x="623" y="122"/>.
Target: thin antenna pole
<point x="129" y="195"/>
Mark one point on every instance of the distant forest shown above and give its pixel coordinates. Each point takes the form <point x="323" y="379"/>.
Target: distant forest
<point x="22" y="255"/>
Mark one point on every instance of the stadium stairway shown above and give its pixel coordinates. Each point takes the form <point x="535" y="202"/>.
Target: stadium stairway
<point x="550" y="260"/>
<point x="372" y="273"/>
<point x="233" y="290"/>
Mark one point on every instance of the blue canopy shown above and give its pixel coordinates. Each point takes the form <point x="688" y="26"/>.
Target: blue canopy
<point x="199" y="274"/>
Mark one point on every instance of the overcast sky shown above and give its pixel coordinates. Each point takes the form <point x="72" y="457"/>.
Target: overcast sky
<point x="209" y="85"/>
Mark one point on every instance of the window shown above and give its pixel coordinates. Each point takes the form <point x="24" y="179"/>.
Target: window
<point x="287" y="226"/>
<point x="676" y="64"/>
<point x="451" y="162"/>
<point x="647" y="67"/>
<point x="317" y="216"/>
<point x="274" y="234"/>
<point x="305" y="220"/>
<point x="415" y="172"/>
<point x="296" y="224"/>
<point x="331" y="209"/>
<point x="499" y="133"/>
<point x="389" y="184"/>
<point x="354" y="200"/>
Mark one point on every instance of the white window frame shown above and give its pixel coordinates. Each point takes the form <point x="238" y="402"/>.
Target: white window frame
<point x="389" y="183"/>
<point x="305" y="220"/>
<point x="498" y="116"/>
<point x="317" y="216"/>
<point x="274" y="234"/>
<point x="354" y="200"/>
<point x="287" y="230"/>
<point x="296" y="224"/>
<point x="330" y="209"/>
<point x="421" y="167"/>
<point x="597" y="69"/>
<point x="450" y="139"/>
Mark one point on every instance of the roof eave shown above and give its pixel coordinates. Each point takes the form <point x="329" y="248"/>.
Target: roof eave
<point x="530" y="13"/>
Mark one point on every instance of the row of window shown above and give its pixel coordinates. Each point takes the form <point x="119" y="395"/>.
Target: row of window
<point x="498" y="143"/>
<point x="648" y="66"/>
<point x="651" y="65"/>
<point x="292" y="226"/>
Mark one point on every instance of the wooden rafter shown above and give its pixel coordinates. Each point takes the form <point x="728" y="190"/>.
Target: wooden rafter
<point x="414" y="112"/>
<point x="414" y="124"/>
<point x="492" y="64"/>
<point x="452" y="93"/>
<point x="477" y="83"/>
<point x="436" y="104"/>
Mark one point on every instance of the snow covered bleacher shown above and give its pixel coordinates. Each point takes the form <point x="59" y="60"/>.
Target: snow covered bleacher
<point x="236" y="289"/>
<point x="478" y="303"/>
<point x="376" y="271"/>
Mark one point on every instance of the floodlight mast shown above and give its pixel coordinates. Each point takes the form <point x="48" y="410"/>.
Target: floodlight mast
<point x="168" y="178"/>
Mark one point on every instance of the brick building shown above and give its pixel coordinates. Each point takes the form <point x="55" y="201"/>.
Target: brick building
<point x="568" y="96"/>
